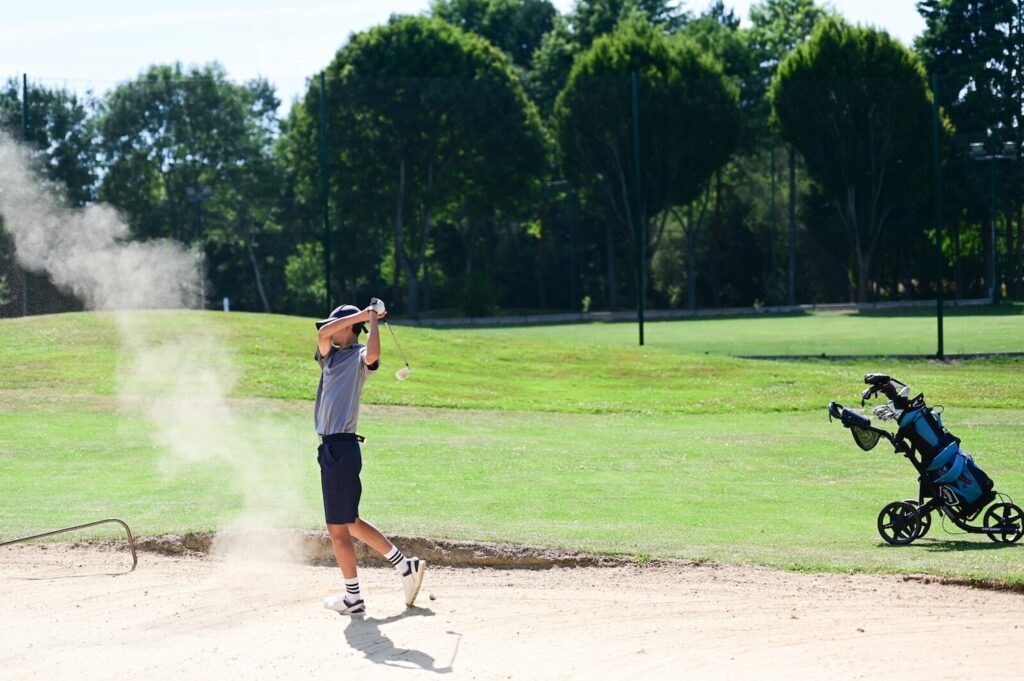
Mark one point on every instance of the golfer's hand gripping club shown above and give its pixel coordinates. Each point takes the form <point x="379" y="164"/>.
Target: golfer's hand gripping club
<point x="377" y="305"/>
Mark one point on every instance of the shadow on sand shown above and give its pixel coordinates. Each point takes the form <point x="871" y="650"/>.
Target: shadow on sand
<point x="364" y="634"/>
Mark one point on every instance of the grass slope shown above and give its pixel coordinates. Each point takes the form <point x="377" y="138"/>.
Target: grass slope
<point x="514" y="436"/>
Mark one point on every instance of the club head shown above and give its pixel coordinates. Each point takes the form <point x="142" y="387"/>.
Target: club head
<point x="402" y="373"/>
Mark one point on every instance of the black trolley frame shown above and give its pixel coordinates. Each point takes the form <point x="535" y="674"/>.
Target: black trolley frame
<point x="1006" y="529"/>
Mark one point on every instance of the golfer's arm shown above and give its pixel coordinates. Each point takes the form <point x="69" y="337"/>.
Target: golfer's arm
<point x="333" y="326"/>
<point x="372" y="339"/>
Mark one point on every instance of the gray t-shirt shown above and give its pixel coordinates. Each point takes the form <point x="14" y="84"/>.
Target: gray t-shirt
<point x="343" y="374"/>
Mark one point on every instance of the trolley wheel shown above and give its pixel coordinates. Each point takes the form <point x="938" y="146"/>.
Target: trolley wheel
<point x="1009" y="518"/>
<point x="926" y="519"/>
<point x="899" y="523"/>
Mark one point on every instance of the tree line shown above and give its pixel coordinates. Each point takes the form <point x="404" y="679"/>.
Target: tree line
<point x="497" y="155"/>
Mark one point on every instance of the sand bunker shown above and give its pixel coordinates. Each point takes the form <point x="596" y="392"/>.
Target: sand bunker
<point x="77" y="613"/>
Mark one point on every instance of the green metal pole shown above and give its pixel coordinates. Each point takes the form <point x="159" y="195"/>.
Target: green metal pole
<point x="937" y="201"/>
<point x="770" y="294"/>
<point x="24" y="139"/>
<point x="324" y="190"/>
<point x="641" y="239"/>
<point x="573" y="301"/>
<point x="637" y="206"/>
<point x="24" y="107"/>
<point x="992" y="218"/>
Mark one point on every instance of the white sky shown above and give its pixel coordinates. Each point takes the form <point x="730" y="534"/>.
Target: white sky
<point x="94" y="45"/>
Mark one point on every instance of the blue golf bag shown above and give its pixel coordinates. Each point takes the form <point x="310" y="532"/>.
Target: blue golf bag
<point x="950" y="483"/>
<point x="945" y="463"/>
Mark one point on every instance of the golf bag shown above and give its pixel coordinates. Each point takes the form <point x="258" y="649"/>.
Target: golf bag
<point x="950" y="483"/>
<point x="947" y="467"/>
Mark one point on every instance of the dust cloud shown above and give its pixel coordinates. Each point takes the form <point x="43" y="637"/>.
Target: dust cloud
<point x="175" y="371"/>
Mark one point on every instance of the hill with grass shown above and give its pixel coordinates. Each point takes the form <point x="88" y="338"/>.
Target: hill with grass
<point x="567" y="437"/>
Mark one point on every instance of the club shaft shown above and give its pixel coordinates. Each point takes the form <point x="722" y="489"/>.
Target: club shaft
<point x="395" y="338"/>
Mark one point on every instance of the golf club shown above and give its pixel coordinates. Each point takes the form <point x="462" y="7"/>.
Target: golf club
<point x="402" y="373"/>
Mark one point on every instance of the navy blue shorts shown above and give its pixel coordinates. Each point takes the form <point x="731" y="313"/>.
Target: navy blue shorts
<point x="340" y="463"/>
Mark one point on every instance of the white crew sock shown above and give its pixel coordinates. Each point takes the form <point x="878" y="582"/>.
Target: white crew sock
<point x="352" y="590"/>
<point x="396" y="558"/>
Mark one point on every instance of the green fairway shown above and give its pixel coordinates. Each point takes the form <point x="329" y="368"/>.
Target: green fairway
<point x="967" y="330"/>
<point x="526" y="436"/>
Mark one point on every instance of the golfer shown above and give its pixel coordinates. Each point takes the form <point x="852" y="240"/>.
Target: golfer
<point x="345" y="364"/>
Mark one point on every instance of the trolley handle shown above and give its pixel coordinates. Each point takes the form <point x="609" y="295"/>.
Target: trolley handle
<point x="847" y="417"/>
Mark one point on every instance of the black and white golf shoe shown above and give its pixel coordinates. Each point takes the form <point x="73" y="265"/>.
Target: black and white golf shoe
<point x="339" y="605"/>
<point x="412" y="578"/>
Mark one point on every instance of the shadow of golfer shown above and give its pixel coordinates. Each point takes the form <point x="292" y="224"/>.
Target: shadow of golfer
<point x="364" y="634"/>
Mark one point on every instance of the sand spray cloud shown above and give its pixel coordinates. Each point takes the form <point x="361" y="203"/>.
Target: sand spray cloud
<point x="173" y="373"/>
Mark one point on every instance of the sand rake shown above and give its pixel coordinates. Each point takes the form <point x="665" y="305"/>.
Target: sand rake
<point x="131" y="540"/>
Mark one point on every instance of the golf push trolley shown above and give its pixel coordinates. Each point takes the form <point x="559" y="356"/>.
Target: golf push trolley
<point x="949" y="482"/>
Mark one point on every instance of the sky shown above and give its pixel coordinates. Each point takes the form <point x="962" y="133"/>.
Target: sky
<point x="95" y="45"/>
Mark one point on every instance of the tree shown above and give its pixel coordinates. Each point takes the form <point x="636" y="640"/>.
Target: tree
<point x="716" y="31"/>
<point x="62" y="142"/>
<point x="778" y="27"/>
<point x="297" y="151"/>
<point x="60" y="131"/>
<point x="976" y="49"/>
<point x="188" y="155"/>
<point x="855" y="103"/>
<point x="967" y="43"/>
<point x="253" y="200"/>
<point x="592" y="19"/>
<point x="514" y="26"/>
<point x="430" y="123"/>
<point x="688" y="126"/>
<point x="6" y="297"/>
<point x="551" y="64"/>
<point x="573" y="34"/>
<point x="304" y="274"/>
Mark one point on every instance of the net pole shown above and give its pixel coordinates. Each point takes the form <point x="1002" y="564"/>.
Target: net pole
<point x="937" y="205"/>
<point x="770" y="293"/>
<point x="24" y="140"/>
<point x="641" y="237"/>
<point x="323" y="191"/>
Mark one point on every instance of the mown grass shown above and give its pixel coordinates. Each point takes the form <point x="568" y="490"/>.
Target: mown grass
<point x="578" y="369"/>
<point x="967" y="330"/>
<point x="506" y="436"/>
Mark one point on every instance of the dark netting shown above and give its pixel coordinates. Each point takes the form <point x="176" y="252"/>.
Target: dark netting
<point x="442" y="167"/>
<point x="865" y="438"/>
